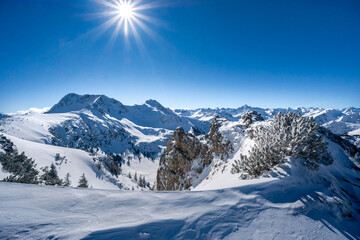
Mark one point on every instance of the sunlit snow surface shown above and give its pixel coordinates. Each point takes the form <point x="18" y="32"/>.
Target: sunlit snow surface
<point x="280" y="209"/>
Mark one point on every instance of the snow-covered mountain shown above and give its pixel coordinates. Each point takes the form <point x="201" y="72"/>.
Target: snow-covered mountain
<point x="96" y="127"/>
<point x="289" y="202"/>
<point x="345" y="122"/>
<point x="175" y="150"/>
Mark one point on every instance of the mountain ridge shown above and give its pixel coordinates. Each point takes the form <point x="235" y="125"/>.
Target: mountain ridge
<point x="139" y="134"/>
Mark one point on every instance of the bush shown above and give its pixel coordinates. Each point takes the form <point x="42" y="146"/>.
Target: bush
<point x="286" y="135"/>
<point x="22" y="168"/>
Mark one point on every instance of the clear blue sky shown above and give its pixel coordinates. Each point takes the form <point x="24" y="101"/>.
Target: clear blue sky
<point x="210" y="53"/>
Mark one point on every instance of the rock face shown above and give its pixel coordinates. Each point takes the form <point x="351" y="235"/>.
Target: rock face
<point x="250" y="117"/>
<point x="218" y="145"/>
<point x="186" y="156"/>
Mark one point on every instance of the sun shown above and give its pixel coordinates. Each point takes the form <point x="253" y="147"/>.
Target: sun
<point x="127" y="16"/>
<point x="126" y="10"/>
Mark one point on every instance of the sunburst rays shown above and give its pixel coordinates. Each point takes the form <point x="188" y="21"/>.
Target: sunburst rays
<point x="127" y="18"/>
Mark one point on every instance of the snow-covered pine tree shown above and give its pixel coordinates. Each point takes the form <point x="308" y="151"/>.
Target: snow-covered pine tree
<point x="142" y="181"/>
<point x="129" y="175"/>
<point x="50" y="177"/>
<point x="22" y="168"/>
<point x="286" y="135"/>
<point x="83" y="183"/>
<point x="67" y="181"/>
<point x="135" y="177"/>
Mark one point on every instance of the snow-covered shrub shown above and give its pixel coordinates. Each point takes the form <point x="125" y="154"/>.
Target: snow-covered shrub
<point x="22" y="168"/>
<point x="286" y="135"/>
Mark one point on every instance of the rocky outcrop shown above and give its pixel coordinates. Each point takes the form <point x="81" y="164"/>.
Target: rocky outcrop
<point x="176" y="163"/>
<point x="250" y="117"/>
<point x="216" y="141"/>
<point x="186" y="156"/>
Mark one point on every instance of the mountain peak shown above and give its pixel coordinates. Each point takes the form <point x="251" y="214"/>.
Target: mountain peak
<point x="75" y="102"/>
<point x="154" y="103"/>
<point x="157" y="105"/>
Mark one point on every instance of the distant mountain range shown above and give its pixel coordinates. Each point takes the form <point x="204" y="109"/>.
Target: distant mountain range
<point x="89" y="127"/>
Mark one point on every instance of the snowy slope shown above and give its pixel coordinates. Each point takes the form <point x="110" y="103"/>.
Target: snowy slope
<point x="273" y="210"/>
<point x="218" y="176"/>
<point x="76" y="163"/>
<point x="139" y="133"/>
<point x="96" y="123"/>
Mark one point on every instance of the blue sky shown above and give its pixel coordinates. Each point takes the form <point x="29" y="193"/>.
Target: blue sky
<point x="208" y="53"/>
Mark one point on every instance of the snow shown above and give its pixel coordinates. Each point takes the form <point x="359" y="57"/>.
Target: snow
<point x="355" y="132"/>
<point x="281" y="209"/>
<point x="340" y="121"/>
<point x="264" y="227"/>
<point x="32" y="126"/>
<point x="148" y="127"/>
<point x="76" y="163"/>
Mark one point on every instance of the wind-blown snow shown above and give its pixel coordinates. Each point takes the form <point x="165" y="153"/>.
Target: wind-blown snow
<point x="273" y="210"/>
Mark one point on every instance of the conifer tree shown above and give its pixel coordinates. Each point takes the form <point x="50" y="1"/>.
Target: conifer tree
<point x="140" y="181"/>
<point x="22" y="168"/>
<point x="287" y="135"/>
<point x="83" y="183"/>
<point x="67" y="181"/>
<point x="50" y="176"/>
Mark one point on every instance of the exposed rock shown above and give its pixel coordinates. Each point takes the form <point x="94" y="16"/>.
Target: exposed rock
<point x="176" y="163"/>
<point x="177" y="166"/>
<point x="250" y="117"/>
<point x="219" y="145"/>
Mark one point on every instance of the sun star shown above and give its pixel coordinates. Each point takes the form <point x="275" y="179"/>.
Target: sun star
<point x="125" y="10"/>
<point x="126" y="16"/>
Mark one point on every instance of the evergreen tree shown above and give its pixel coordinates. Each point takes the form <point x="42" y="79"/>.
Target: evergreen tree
<point x="22" y="168"/>
<point x="129" y="175"/>
<point x="113" y="164"/>
<point x="67" y="181"/>
<point x="50" y="177"/>
<point x="83" y="181"/>
<point x="135" y="177"/>
<point x="287" y="135"/>
<point x="142" y="181"/>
